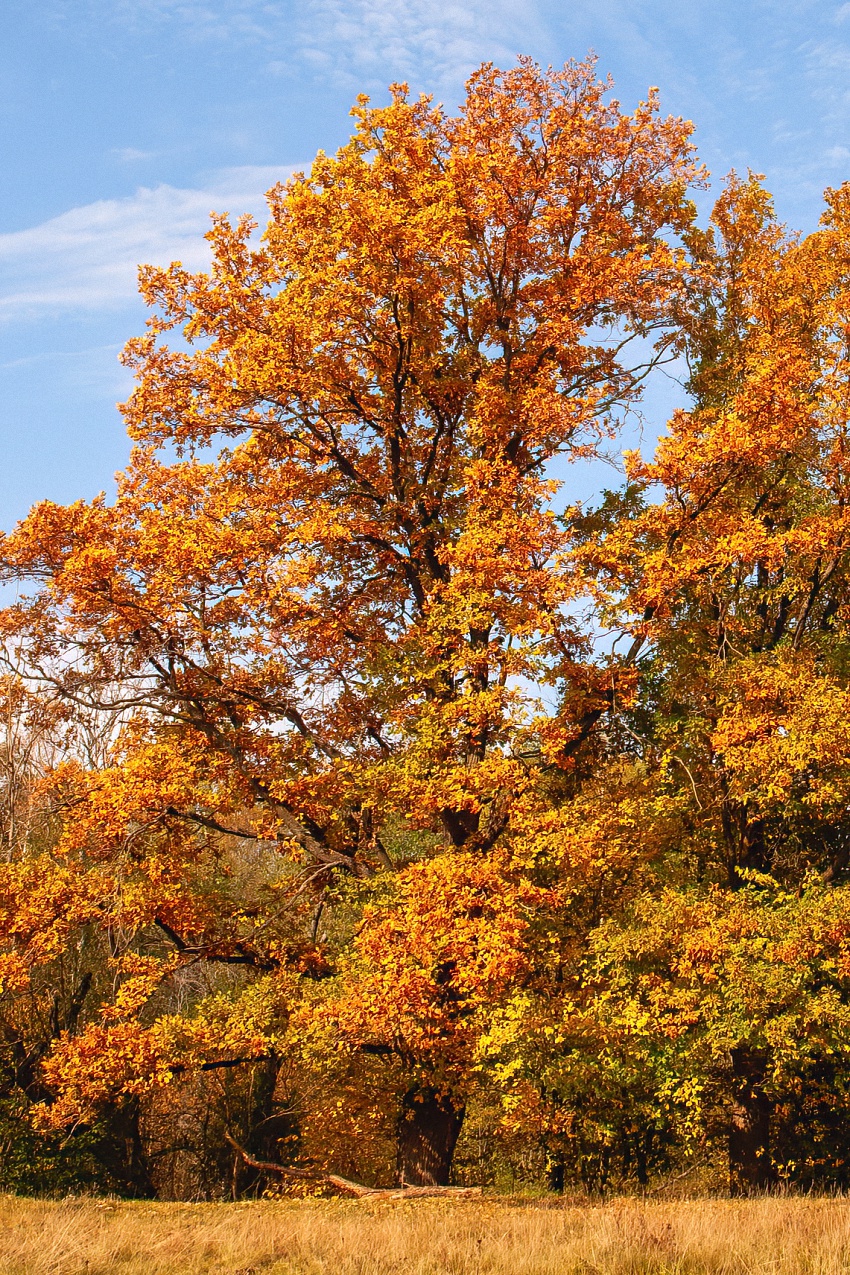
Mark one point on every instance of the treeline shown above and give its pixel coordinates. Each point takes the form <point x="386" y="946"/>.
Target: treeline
<point x="370" y="807"/>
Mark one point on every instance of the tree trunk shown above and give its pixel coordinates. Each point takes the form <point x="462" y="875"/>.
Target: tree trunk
<point x="750" y="1168"/>
<point x="555" y="1174"/>
<point x="745" y="839"/>
<point x="121" y="1151"/>
<point x="428" y="1131"/>
<point x="262" y="1128"/>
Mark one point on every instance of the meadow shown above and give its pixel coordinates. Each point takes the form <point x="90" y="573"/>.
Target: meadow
<point x="771" y="1236"/>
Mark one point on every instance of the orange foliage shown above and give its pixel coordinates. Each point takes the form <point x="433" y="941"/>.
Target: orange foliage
<point x="371" y="792"/>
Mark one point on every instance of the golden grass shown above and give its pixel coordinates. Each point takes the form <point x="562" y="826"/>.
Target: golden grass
<point x="490" y="1237"/>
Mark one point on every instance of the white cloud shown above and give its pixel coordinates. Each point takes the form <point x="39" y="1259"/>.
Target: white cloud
<point x="437" y="40"/>
<point x="824" y="58"/>
<point x="217" y="20"/>
<point x="440" y="41"/>
<point x="130" y="155"/>
<point x="88" y="258"/>
<point x="92" y="370"/>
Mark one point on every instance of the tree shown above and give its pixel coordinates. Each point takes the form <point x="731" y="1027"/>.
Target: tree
<point x="736" y="583"/>
<point x="328" y="619"/>
<point x="347" y="771"/>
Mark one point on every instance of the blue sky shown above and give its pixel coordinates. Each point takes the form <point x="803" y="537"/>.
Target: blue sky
<point x="124" y="122"/>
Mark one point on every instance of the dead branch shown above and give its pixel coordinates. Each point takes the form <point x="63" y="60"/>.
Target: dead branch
<point x="353" y="1188"/>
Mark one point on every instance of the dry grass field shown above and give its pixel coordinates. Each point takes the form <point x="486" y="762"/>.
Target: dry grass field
<point x="625" y="1237"/>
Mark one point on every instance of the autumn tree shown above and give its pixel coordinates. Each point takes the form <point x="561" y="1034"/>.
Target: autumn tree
<point x="331" y="599"/>
<point x="56" y="944"/>
<point x="736" y="585"/>
<point x="415" y="779"/>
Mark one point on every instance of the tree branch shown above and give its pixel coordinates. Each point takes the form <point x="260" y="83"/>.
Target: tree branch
<point x="347" y="1186"/>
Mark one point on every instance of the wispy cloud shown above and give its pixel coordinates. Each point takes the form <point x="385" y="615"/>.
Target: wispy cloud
<point x="435" y="41"/>
<point x="216" y="20"/>
<point x="89" y="373"/>
<point x="88" y="258"/>
<point x="130" y="155"/>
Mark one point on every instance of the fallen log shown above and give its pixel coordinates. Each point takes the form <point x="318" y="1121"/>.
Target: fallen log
<point x="348" y="1187"/>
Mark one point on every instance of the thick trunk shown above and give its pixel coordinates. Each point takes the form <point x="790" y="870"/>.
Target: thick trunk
<point x="121" y="1152"/>
<point x="261" y="1131"/>
<point x="428" y="1131"/>
<point x="266" y="1126"/>
<point x="749" y="1128"/>
<point x="555" y="1174"/>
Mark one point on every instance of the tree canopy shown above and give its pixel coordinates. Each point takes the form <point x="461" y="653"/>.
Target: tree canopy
<point x="370" y="804"/>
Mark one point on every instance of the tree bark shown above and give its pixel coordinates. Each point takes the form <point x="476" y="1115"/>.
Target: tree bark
<point x="121" y="1151"/>
<point x="750" y="1167"/>
<point x="428" y="1131"/>
<point x="265" y="1126"/>
<point x="746" y="842"/>
<point x="555" y="1174"/>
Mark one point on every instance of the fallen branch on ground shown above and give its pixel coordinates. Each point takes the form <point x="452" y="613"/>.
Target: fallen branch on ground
<point x="353" y="1188"/>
